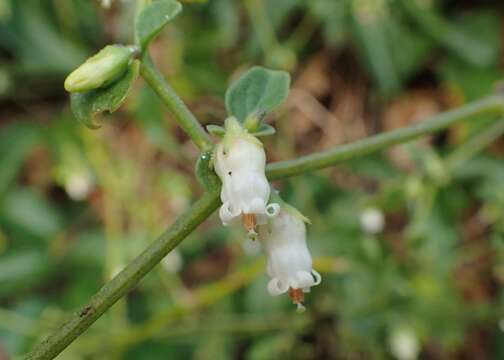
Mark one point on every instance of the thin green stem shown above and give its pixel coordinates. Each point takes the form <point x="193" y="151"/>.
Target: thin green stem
<point x="126" y="279"/>
<point x="490" y="105"/>
<point x="175" y="105"/>
<point x="476" y="144"/>
<point x="136" y="270"/>
<point x="262" y="26"/>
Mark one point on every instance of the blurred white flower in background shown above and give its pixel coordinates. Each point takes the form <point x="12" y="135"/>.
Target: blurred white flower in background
<point x="372" y="220"/>
<point x="73" y="173"/>
<point x="501" y="325"/>
<point x="173" y="262"/>
<point x="106" y="3"/>
<point x="404" y="344"/>
<point x="79" y="185"/>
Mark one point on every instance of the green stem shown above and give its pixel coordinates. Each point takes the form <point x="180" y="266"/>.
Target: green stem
<point x="319" y="160"/>
<point x="182" y="114"/>
<point x="126" y="279"/>
<point x="452" y="37"/>
<point x="136" y="270"/>
<point x="261" y="24"/>
<point x="476" y="144"/>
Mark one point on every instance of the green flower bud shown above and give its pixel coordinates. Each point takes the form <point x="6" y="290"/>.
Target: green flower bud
<point x="101" y="69"/>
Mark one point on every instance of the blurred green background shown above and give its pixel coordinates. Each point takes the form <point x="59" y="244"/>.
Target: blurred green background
<point x="410" y="242"/>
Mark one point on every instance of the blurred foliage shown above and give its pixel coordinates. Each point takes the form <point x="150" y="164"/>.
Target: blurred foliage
<point x="77" y="205"/>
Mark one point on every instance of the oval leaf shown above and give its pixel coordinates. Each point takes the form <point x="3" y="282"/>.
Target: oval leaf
<point x="85" y="105"/>
<point x="151" y="20"/>
<point x="257" y="90"/>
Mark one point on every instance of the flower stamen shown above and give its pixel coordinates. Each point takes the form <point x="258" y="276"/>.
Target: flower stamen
<point x="297" y="296"/>
<point x="249" y="221"/>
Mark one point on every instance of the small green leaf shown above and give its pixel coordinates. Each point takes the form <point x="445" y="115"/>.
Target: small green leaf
<point x="216" y="130"/>
<point x="151" y="20"/>
<point x="258" y="90"/>
<point x="86" y="105"/>
<point x="264" y="130"/>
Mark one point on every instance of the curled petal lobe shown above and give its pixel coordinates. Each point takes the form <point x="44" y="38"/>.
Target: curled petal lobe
<point x="318" y="278"/>
<point x="272" y="210"/>
<point x="276" y="287"/>
<point x="227" y="213"/>
<point x="304" y="279"/>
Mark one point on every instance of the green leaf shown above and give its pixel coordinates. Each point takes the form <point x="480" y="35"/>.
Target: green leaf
<point x="369" y="34"/>
<point x="17" y="140"/>
<point x="258" y="90"/>
<point x="151" y="20"/>
<point x="22" y="270"/>
<point x="467" y="40"/>
<point x="264" y="130"/>
<point x="216" y="130"/>
<point x="86" y="105"/>
<point x="31" y="213"/>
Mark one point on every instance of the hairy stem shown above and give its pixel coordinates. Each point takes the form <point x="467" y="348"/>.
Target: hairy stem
<point x="175" y="105"/>
<point x="126" y="279"/>
<point x="492" y="104"/>
<point x="136" y="270"/>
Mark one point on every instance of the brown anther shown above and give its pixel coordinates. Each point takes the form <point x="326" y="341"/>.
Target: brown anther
<point x="296" y="295"/>
<point x="249" y="221"/>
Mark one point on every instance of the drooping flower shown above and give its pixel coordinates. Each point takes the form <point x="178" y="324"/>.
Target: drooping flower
<point x="289" y="261"/>
<point x="240" y="161"/>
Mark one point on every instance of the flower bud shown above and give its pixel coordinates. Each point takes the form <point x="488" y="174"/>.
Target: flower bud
<point x="100" y="70"/>
<point x="289" y="261"/>
<point x="240" y="162"/>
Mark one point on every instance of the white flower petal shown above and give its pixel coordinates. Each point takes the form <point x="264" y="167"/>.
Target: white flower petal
<point x="257" y="206"/>
<point x="304" y="280"/>
<point x="227" y="213"/>
<point x="275" y="287"/>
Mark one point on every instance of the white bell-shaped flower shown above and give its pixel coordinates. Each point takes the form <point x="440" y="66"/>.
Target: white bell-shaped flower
<point x="240" y="162"/>
<point x="289" y="261"/>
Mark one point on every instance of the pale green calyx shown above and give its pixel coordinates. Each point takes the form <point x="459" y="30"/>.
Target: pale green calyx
<point x="101" y="69"/>
<point x="253" y="121"/>
<point x="234" y="130"/>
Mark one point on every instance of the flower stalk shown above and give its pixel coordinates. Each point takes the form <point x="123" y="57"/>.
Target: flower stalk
<point x="175" y="105"/>
<point x="491" y="105"/>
